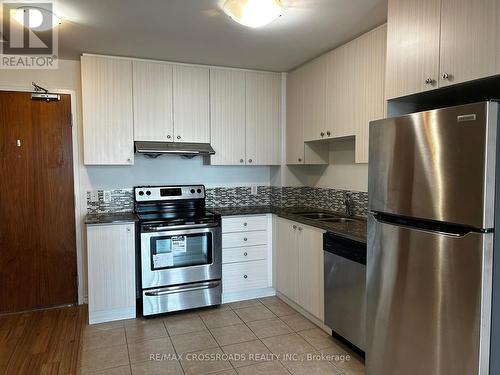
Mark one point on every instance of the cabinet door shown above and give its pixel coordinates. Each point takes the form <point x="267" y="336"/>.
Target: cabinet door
<point x="108" y="120"/>
<point x="111" y="272"/>
<point x="314" y="86"/>
<point x="470" y="40"/>
<point x="263" y="106"/>
<point x="368" y="83"/>
<point x="311" y="283"/>
<point x="191" y="104"/>
<point x="294" y="118"/>
<point x="152" y="101"/>
<point x="287" y="262"/>
<point x="227" y="116"/>
<point x="413" y="46"/>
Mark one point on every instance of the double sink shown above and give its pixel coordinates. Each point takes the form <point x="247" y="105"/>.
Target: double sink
<point x="325" y="217"/>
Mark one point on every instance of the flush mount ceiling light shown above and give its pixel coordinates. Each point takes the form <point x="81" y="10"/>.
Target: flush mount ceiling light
<point x="254" y="13"/>
<point x="36" y="18"/>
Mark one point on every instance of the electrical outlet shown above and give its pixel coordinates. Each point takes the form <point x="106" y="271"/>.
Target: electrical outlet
<point x="94" y="196"/>
<point x="107" y="195"/>
<point x="254" y="190"/>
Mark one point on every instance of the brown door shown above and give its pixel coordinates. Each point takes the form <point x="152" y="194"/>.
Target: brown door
<point x="37" y="215"/>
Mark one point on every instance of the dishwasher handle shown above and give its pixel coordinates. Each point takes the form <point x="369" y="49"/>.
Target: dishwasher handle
<point x="345" y="248"/>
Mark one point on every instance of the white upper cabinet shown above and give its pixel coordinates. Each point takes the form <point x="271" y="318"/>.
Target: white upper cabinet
<point x="108" y="119"/>
<point x="153" y="120"/>
<point x="263" y="116"/>
<point x="470" y="40"/>
<point x="412" y="46"/>
<point x="191" y="104"/>
<point x="294" y="118"/>
<point x="227" y="109"/>
<point x="315" y="100"/>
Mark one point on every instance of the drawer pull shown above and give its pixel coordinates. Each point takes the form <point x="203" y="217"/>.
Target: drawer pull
<point x="245" y="239"/>
<point x="245" y="253"/>
<point x="245" y="276"/>
<point x="245" y="224"/>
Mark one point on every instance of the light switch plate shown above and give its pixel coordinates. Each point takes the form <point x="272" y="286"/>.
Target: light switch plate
<point x="107" y="195"/>
<point x="254" y="190"/>
<point x="94" y="196"/>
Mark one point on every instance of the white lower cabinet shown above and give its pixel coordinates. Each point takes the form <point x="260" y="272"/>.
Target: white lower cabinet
<point x="246" y="257"/>
<point x="111" y="272"/>
<point x="299" y="265"/>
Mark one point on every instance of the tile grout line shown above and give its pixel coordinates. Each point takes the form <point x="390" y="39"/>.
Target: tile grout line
<point x="173" y="346"/>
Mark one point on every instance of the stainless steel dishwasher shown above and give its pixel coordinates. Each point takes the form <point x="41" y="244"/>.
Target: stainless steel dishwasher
<point x="345" y="284"/>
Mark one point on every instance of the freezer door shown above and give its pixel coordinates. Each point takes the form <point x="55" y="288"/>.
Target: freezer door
<point x="437" y="165"/>
<point x="428" y="301"/>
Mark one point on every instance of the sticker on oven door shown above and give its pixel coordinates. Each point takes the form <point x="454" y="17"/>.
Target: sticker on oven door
<point x="163" y="260"/>
<point x="179" y="244"/>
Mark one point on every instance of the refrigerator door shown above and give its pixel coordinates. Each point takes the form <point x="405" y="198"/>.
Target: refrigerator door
<point x="437" y="165"/>
<point x="428" y="301"/>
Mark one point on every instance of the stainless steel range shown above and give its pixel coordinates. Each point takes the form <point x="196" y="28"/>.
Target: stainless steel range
<point x="180" y="249"/>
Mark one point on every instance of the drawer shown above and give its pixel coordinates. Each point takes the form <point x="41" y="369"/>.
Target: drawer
<point x="244" y="223"/>
<point x="243" y="276"/>
<point x="243" y="254"/>
<point x="244" y="239"/>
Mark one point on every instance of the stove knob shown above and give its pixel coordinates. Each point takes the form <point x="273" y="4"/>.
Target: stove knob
<point x="148" y="192"/>
<point x="198" y="191"/>
<point x="192" y="191"/>
<point x="141" y="193"/>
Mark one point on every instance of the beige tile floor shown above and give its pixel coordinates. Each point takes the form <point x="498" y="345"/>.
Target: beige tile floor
<point x="261" y="336"/>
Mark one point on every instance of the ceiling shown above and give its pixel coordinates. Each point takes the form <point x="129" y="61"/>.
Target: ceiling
<point x="197" y="31"/>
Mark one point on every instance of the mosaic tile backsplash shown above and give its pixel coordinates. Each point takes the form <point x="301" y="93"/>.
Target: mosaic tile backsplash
<point x="331" y="199"/>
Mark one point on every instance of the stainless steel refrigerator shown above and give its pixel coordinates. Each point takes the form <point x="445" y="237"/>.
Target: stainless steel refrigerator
<point x="430" y="241"/>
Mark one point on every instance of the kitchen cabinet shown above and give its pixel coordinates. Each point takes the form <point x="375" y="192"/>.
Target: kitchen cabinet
<point x="107" y="110"/>
<point x="191" y="103"/>
<point x="412" y="46"/>
<point x="297" y="151"/>
<point x="152" y="93"/>
<point x="227" y="104"/>
<point x="263" y="118"/>
<point x="437" y="43"/>
<point x="111" y="272"/>
<point x="246" y="257"/>
<point x="299" y="265"/>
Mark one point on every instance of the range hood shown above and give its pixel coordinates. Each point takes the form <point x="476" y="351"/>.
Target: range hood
<point x="190" y="150"/>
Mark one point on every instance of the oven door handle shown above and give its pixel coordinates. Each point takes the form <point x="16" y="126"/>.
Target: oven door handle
<point x="182" y="288"/>
<point x="177" y="227"/>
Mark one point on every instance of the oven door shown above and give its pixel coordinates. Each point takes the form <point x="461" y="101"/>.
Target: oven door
<point x="181" y="254"/>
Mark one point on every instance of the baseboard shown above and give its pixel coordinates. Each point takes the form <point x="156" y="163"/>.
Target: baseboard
<point x="112" y="315"/>
<point x="309" y="316"/>
<point x="248" y="294"/>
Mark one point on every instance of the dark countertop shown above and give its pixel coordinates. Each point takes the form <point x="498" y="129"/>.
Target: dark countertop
<point x="352" y="230"/>
<point x="110" y="218"/>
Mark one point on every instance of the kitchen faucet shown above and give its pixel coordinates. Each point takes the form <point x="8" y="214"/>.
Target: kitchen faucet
<point x="348" y="203"/>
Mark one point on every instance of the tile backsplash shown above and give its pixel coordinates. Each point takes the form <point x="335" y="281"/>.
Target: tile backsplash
<point x="121" y="200"/>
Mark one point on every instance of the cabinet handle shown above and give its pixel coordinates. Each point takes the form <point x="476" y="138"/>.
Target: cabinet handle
<point x="129" y="160"/>
<point x="245" y="224"/>
<point x="245" y="276"/>
<point x="322" y="134"/>
<point x="128" y="229"/>
<point x="445" y="76"/>
<point x="429" y="81"/>
<point x="294" y="227"/>
<point x="245" y="253"/>
<point x="300" y="159"/>
<point x="249" y="160"/>
<point x="328" y="133"/>
<point x="245" y="239"/>
<point x="300" y="229"/>
<point x="242" y="161"/>
<point x="178" y="137"/>
<point x="169" y="136"/>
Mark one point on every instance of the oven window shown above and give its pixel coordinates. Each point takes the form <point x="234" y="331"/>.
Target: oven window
<point x="181" y="251"/>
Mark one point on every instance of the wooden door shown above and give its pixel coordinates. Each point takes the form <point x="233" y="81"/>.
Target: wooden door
<point x="263" y="116"/>
<point x="287" y="259"/>
<point x="413" y="46"/>
<point x="310" y="275"/>
<point x="470" y="40"/>
<point x="108" y="120"/>
<point x="153" y="113"/>
<point x="191" y="104"/>
<point x="227" y="116"/>
<point x="37" y="214"/>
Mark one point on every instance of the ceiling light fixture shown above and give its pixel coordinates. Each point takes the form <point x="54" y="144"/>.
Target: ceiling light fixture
<point x="254" y="13"/>
<point x="37" y="18"/>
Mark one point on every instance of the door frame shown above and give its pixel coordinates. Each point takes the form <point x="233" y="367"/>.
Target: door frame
<point x="75" y="131"/>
